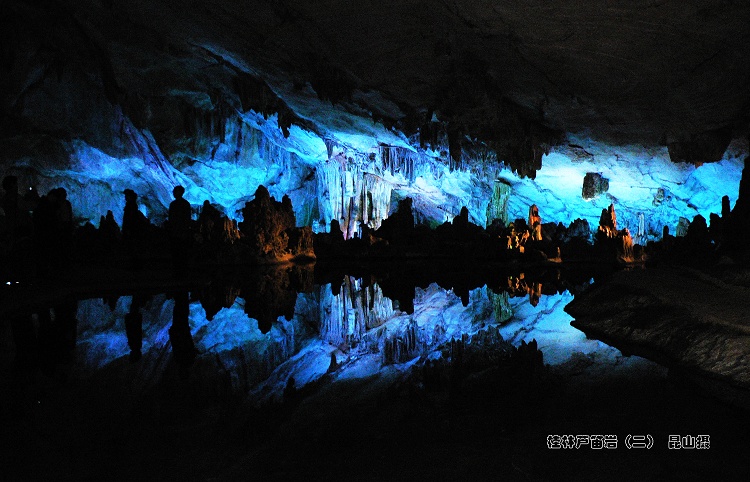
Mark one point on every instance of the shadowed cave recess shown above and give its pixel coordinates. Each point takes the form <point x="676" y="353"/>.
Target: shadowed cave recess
<point x="408" y="220"/>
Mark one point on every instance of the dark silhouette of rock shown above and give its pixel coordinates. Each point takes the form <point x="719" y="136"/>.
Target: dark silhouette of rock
<point x="209" y="223"/>
<point x="217" y="295"/>
<point x="578" y="229"/>
<point x="528" y="358"/>
<point x="716" y="229"/>
<point x="737" y="227"/>
<point x="697" y="237"/>
<point x="398" y="228"/>
<point x="269" y="294"/>
<point x="109" y="231"/>
<point x="266" y="228"/>
<point x="726" y="210"/>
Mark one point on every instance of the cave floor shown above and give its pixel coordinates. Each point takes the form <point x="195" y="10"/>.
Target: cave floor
<point x="492" y="426"/>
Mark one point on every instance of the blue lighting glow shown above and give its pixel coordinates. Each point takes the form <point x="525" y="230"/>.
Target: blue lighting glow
<point x="386" y="342"/>
<point x="253" y="151"/>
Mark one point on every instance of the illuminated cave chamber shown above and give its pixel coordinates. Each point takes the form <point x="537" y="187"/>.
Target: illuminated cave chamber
<point x="360" y="178"/>
<point x="162" y="100"/>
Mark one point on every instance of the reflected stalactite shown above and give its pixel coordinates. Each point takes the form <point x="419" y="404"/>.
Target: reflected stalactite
<point x="352" y="311"/>
<point x="501" y="309"/>
<point x="357" y="324"/>
<point x="403" y="345"/>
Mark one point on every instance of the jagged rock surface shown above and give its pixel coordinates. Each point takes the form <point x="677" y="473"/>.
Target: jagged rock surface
<point x="705" y="333"/>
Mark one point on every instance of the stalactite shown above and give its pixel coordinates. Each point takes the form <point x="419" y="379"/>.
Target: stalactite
<point x="398" y="160"/>
<point x="330" y="144"/>
<point x="379" y="193"/>
<point x="329" y="190"/>
<point x="240" y="138"/>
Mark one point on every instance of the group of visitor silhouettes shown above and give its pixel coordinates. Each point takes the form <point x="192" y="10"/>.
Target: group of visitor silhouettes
<point x="37" y="232"/>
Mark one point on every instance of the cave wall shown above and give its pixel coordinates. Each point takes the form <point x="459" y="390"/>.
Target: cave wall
<point x="96" y="102"/>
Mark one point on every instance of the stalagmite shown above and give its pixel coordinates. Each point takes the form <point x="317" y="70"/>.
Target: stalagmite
<point x="498" y="205"/>
<point x="535" y="223"/>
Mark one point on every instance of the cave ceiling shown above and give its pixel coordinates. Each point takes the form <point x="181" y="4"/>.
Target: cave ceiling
<point x="655" y="72"/>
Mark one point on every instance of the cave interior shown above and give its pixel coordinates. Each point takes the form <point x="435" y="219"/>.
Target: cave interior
<point x="431" y="238"/>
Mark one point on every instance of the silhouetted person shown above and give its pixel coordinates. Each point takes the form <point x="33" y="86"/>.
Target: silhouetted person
<point x="183" y="346"/>
<point x="337" y="235"/>
<point x="208" y="221"/>
<point x="109" y="231"/>
<point x="134" y="328"/>
<point x="179" y="223"/>
<point x="135" y="228"/>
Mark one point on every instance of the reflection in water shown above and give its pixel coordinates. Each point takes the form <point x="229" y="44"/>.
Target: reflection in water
<point x="282" y="328"/>
<point x="48" y="345"/>
<point x="183" y="346"/>
<point x="134" y="328"/>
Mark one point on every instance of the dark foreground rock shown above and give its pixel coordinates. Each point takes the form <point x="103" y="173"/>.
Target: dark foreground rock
<point x="693" y="323"/>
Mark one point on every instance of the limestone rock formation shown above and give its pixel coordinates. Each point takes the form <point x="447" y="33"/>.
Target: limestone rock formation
<point x="593" y="185"/>
<point x="614" y="244"/>
<point x="267" y="227"/>
<point x="398" y="228"/>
